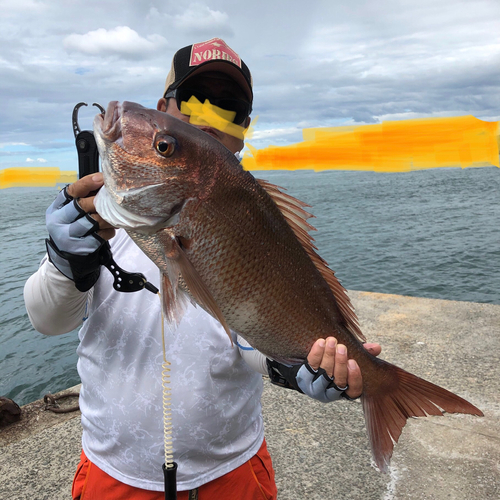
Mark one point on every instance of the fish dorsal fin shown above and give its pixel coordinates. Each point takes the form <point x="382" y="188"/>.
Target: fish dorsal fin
<point x="296" y="217"/>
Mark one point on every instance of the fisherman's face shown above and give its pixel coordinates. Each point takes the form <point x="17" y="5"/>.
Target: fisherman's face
<point x="215" y="85"/>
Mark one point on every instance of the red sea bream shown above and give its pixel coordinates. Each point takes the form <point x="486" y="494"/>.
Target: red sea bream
<point x="242" y="249"/>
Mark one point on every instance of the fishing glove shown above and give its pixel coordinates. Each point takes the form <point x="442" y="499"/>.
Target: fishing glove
<point x="74" y="245"/>
<point x="305" y="379"/>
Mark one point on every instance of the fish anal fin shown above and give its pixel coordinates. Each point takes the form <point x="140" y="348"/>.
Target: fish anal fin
<point x="196" y="286"/>
<point x="398" y="396"/>
<point x="293" y="211"/>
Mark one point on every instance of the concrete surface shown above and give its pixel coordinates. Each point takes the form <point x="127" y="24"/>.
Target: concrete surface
<point x="39" y="454"/>
<point x="321" y="451"/>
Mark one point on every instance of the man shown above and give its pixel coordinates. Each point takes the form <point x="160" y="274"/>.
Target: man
<point x="218" y="436"/>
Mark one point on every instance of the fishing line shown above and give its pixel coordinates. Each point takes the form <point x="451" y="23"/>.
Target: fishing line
<point x="169" y="467"/>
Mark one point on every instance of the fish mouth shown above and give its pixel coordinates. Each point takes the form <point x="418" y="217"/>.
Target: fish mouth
<point x="108" y="125"/>
<point x="112" y="201"/>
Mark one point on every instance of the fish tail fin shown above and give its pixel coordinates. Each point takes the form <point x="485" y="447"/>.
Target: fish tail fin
<point x="398" y="396"/>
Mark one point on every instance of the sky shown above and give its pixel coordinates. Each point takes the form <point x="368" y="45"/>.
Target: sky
<point x="314" y="64"/>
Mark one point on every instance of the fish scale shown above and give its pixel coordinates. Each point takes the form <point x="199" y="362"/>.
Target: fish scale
<point x="240" y="247"/>
<point x="238" y="274"/>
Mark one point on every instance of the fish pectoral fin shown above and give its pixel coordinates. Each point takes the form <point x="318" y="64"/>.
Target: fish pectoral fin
<point x="196" y="286"/>
<point x="174" y="300"/>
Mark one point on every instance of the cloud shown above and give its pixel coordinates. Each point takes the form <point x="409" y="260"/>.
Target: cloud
<point x="11" y="145"/>
<point x="21" y="7"/>
<point x="275" y="132"/>
<point x="40" y="160"/>
<point x="330" y="64"/>
<point x="122" y="41"/>
<point x="201" y="19"/>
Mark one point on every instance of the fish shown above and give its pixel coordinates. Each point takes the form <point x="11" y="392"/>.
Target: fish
<point x="241" y="248"/>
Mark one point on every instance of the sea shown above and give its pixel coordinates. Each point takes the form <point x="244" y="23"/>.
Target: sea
<point x="429" y="233"/>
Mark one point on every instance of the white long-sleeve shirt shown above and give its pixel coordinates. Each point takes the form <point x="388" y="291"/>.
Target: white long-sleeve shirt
<point x="216" y="412"/>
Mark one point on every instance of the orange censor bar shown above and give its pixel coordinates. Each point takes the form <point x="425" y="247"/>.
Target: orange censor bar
<point x="35" y="177"/>
<point x="396" y="146"/>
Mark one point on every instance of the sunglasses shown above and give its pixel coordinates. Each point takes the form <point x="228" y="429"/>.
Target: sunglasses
<point x="238" y="106"/>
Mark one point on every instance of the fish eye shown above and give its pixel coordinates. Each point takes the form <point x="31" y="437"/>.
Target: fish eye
<point x="165" y="146"/>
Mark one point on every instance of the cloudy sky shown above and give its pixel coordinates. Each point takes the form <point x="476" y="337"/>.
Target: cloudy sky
<point x="317" y="63"/>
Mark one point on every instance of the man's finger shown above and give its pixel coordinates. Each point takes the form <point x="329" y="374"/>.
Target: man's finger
<point x="354" y="379"/>
<point x="102" y="223"/>
<point x="373" y="348"/>
<point x="106" y="234"/>
<point x="316" y="354"/>
<point x="84" y="186"/>
<point x="340" y="369"/>
<point x="328" y="361"/>
<point x="87" y="204"/>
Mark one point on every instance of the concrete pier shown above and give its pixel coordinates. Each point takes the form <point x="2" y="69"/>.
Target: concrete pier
<point x="321" y="451"/>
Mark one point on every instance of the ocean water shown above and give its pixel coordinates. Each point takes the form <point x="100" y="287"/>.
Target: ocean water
<point x="431" y="233"/>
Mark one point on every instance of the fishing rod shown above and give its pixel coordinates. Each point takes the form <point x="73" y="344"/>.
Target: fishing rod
<point x="124" y="281"/>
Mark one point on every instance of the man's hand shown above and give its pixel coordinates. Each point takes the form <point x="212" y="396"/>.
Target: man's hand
<point x="82" y="190"/>
<point x="333" y="358"/>
<point x="77" y="233"/>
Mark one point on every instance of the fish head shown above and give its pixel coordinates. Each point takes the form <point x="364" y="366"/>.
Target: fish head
<point x="152" y="164"/>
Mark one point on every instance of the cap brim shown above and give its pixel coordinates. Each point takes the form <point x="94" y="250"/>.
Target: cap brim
<point x="225" y="67"/>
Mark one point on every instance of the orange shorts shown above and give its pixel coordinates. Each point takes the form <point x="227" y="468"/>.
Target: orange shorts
<point x="254" y="480"/>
